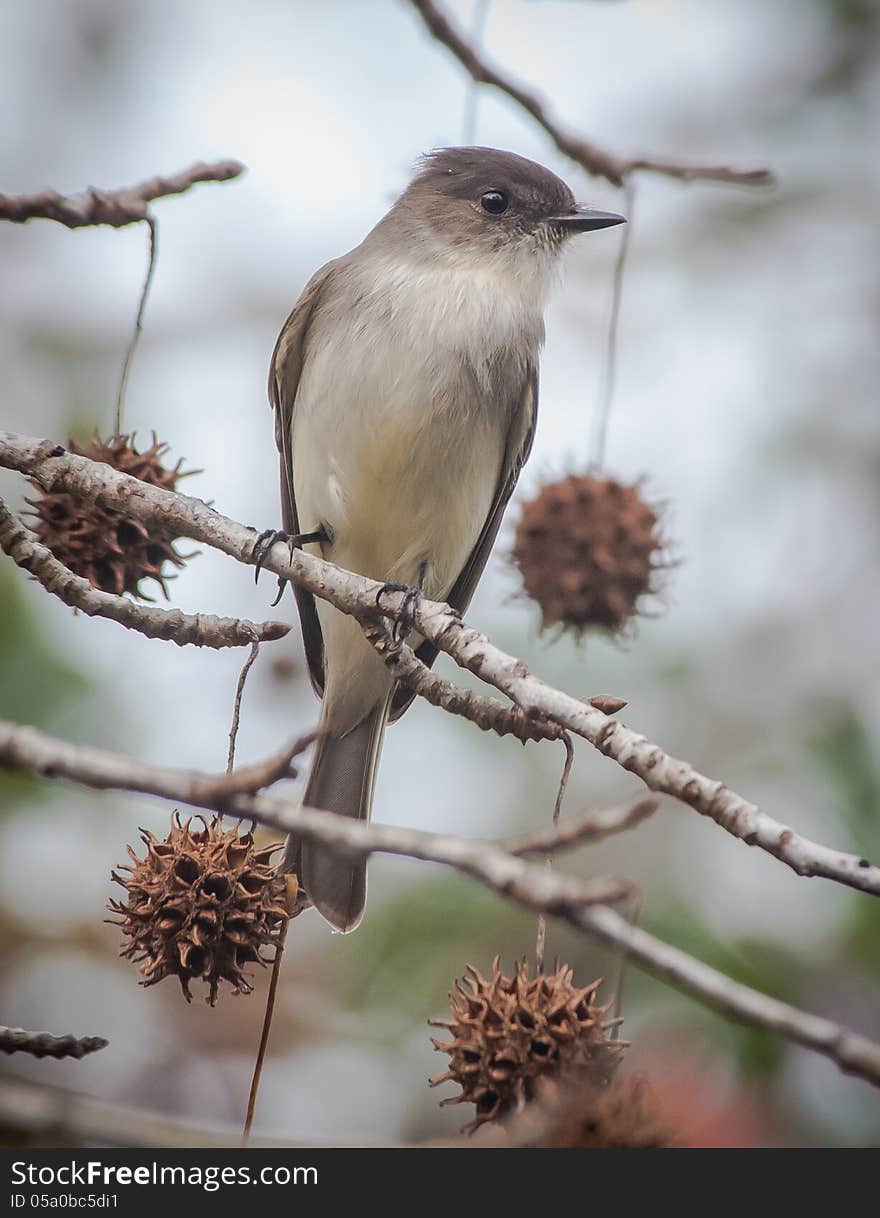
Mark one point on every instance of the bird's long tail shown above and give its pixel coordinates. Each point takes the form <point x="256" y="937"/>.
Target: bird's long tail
<point x="341" y="780"/>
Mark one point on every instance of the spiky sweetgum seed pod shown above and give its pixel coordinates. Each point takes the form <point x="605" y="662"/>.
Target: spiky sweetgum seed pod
<point x="507" y="1033"/>
<point x="202" y="904"/>
<point x="112" y="551"/>
<point x="587" y="549"/>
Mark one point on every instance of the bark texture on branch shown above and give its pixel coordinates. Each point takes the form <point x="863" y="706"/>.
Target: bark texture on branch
<point x="44" y="1044"/>
<point x="30" y="750"/>
<point x="126" y="205"/>
<point x="171" y="625"/>
<point x="489" y="714"/>
<point x="56" y="470"/>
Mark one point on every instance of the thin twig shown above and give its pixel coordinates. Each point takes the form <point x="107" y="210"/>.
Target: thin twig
<point x="170" y="625"/>
<point x="125" y="205"/>
<point x="584" y="904"/>
<point x="54" y="469"/>
<point x="589" y="156"/>
<point x="45" y="1044"/>
<point x="582" y="830"/>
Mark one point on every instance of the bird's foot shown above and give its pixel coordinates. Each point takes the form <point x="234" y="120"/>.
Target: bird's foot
<point x="263" y="545"/>
<point x="404" y="614"/>
<point x="294" y="541"/>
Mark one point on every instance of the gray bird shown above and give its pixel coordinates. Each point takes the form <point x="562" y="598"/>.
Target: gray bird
<point x="405" y="390"/>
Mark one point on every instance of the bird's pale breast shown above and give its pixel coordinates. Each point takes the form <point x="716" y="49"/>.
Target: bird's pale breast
<point x="405" y="417"/>
<point x="403" y="411"/>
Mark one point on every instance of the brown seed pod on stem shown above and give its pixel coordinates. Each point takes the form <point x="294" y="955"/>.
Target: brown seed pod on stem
<point x="203" y="903"/>
<point x="507" y="1033"/>
<point x="113" y="551"/>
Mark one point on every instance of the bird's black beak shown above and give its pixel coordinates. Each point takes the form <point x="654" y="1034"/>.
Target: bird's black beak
<point x="586" y="219"/>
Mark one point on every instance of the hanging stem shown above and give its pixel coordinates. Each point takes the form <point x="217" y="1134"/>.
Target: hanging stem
<point x="153" y="227"/>
<point x="605" y="397"/>
<point x="478" y="30"/>
<point x="632" y="916"/>
<point x="292" y="890"/>
<point x="236" y="708"/>
<point x="560" y="795"/>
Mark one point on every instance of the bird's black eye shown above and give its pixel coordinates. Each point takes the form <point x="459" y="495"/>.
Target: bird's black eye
<point x="494" y="202"/>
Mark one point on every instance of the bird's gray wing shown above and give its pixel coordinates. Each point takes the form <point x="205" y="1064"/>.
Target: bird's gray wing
<point x="519" y="444"/>
<point x="284" y="373"/>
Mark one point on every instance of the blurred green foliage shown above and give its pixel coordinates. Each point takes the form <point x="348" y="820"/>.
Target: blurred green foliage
<point x="853" y="45"/>
<point x="842" y="753"/>
<point x="412" y="947"/>
<point x="36" y="683"/>
<point x="766" y="966"/>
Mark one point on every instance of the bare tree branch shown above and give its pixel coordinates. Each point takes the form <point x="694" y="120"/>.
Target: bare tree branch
<point x="44" y="1044"/>
<point x="247" y="780"/>
<point x="56" y="470"/>
<point x="489" y="714"/>
<point x="584" y="904"/>
<point x="200" y="629"/>
<point x="854" y="1054"/>
<point x="53" y="1114"/>
<point x="26" y="748"/>
<point x="589" y="156"/>
<point x="126" y="205"/>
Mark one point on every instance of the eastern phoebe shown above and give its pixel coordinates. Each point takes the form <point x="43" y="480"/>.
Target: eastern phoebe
<point x="405" y="389"/>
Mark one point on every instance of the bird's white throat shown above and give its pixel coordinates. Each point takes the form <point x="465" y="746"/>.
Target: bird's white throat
<point x="473" y="306"/>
